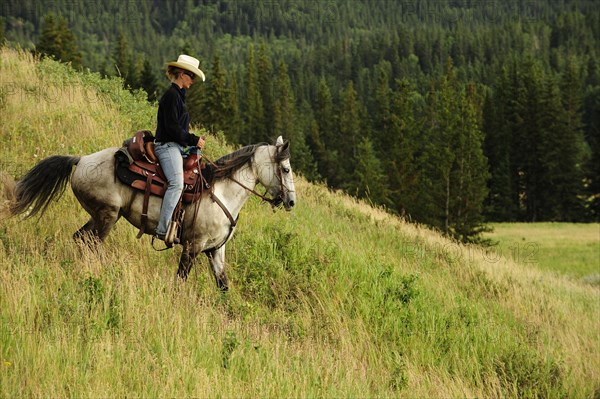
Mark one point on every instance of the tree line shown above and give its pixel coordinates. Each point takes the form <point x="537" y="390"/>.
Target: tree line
<point x="451" y="113"/>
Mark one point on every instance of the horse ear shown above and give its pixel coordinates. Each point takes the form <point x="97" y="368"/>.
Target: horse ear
<point x="279" y="141"/>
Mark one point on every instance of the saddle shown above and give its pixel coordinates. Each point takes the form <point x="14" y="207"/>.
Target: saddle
<point x="137" y="166"/>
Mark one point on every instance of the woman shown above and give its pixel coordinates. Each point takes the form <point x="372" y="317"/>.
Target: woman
<point x="172" y="134"/>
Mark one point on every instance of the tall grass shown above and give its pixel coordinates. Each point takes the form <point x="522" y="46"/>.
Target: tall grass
<point x="335" y="299"/>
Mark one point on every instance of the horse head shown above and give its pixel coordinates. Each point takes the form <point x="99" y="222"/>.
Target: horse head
<point x="274" y="172"/>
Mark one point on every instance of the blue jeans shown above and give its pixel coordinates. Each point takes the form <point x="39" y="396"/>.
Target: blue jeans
<point x="170" y="159"/>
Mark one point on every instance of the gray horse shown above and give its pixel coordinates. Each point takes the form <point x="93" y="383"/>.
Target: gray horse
<point x="208" y="224"/>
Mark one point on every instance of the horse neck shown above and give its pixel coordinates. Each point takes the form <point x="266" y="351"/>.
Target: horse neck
<point x="233" y="194"/>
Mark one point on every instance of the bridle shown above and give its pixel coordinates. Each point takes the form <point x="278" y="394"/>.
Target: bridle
<point x="275" y="201"/>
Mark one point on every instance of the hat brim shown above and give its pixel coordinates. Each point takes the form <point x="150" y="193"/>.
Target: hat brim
<point x="188" y="67"/>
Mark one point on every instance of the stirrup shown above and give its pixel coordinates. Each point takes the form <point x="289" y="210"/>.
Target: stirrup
<point x="163" y="239"/>
<point x="171" y="236"/>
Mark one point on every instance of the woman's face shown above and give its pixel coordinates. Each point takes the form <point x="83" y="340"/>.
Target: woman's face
<point x="187" y="79"/>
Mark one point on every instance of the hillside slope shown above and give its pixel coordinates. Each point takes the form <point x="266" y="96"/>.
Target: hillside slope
<point x="335" y="299"/>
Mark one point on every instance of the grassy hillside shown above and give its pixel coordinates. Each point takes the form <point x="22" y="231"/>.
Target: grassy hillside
<point x="335" y="299"/>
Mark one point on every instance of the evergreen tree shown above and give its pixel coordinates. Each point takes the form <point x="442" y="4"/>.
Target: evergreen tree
<point x="470" y="172"/>
<point x="369" y="180"/>
<point x="527" y="136"/>
<point x="437" y="157"/>
<point x="2" y="38"/>
<point x="399" y="156"/>
<point x="254" y="112"/>
<point x="592" y="166"/>
<point x="50" y="40"/>
<point x="382" y="109"/>
<point x="561" y="152"/>
<point x="284" y="117"/>
<point x="322" y="134"/>
<point x="234" y="129"/>
<point x="149" y="82"/>
<point x="134" y="76"/>
<point x="217" y="98"/>
<point x="572" y="160"/>
<point x="68" y="44"/>
<point x="265" y="86"/>
<point x="58" y="41"/>
<point x="348" y="133"/>
<point x="454" y="169"/>
<point x="286" y="122"/>
<point x="122" y="60"/>
<point x="500" y="119"/>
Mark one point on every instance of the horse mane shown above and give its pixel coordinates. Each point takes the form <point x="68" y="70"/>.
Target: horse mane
<point x="228" y="164"/>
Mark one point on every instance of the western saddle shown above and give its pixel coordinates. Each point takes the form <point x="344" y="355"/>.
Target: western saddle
<point x="137" y="166"/>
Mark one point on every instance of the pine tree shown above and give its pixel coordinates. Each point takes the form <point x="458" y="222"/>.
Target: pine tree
<point x="502" y="203"/>
<point x="592" y="166"/>
<point x="399" y="156"/>
<point x="265" y="86"/>
<point x="470" y="172"/>
<point x="233" y="131"/>
<point x="382" y="108"/>
<point x="453" y="182"/>
<point x="68" y="45"/>
<point x="348" y="132"/>
<point x="286" y="123"/>
<point x="217" y="98"/>
<point x="369" y="179"/>
<point x="527" y="135"/>
<point x="121" y="58"/>
<point x="58" y="41"/>
<point x="561" y="151"/>
<point x="2" y="38"/>
<point x="50" y="40"/>
<point x="322" y="137"/>
<point x="149" y="82"/>
<point x="253" y="110"/>
<point x="134" y="76"/>
<point x="437" y="157"/>
<point x="284" y="116"/>
<point x="572" y="142"/>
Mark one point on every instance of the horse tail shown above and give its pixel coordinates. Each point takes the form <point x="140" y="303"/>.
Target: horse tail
<point x="45" y="182"/>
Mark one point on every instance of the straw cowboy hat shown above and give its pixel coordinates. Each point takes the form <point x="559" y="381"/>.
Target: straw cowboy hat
<point x="189" y="64"/>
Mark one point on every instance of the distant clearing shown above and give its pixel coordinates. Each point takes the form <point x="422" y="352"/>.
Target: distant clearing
<point x="572" y="249"/>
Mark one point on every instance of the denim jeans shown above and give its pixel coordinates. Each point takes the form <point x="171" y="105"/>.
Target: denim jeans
<point x="170" y="159"/>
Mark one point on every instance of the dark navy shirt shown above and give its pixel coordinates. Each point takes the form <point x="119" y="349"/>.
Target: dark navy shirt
<point x="173" y="119"/>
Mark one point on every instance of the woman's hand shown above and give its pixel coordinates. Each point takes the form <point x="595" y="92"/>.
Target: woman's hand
<point x="201" y="141"/>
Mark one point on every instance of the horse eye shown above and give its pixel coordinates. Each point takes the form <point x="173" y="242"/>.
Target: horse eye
<point x="285" y="170"/>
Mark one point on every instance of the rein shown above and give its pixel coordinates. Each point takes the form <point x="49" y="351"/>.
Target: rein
<point x="273" y="201"/>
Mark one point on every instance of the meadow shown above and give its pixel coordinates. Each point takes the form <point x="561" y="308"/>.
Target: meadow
<point x="335" y="299"/>
<point x="572" y="249"/>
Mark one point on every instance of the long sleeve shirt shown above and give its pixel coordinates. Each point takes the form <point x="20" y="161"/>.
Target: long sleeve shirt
<point x="173" y="119"/>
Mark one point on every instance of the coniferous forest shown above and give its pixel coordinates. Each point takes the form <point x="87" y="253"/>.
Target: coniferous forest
<point x="451" y="113"/>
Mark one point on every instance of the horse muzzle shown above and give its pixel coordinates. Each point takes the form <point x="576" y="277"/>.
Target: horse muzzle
<point x="289" y="202"/>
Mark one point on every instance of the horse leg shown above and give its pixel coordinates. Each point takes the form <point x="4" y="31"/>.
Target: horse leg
<point x="105" y="220"/>
<point x="186" y="261"/>
<point x="87" y="233"/>
<point x="98" y="227"/>
<point x="216" y="258"/>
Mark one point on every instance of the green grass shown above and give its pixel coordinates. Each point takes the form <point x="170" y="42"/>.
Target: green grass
<point x="334" y="299"/>
<point x="568" y="248"/>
